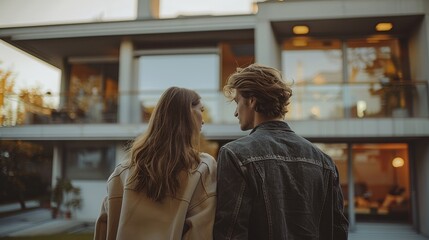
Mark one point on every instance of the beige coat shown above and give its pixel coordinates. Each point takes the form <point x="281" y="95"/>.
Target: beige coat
<point x="127" y="214"/>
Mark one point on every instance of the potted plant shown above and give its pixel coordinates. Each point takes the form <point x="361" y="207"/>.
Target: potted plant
<point x="65" y="193"/>
<point x="72" y="199"/>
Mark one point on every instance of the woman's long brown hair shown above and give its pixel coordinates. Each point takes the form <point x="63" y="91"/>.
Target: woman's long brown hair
<point x="168" y="146"/>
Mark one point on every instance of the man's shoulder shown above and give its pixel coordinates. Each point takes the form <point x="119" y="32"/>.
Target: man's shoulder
<point x="239" y="142"/>
<point x="244" y="145"/>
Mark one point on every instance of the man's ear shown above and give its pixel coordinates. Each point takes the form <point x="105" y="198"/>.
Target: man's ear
<point x="252" y="103"/>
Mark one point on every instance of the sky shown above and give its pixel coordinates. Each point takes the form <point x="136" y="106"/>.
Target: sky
<point x="31" y="72"/>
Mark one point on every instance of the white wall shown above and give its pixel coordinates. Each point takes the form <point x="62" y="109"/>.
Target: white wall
<point x="93" y="193"/>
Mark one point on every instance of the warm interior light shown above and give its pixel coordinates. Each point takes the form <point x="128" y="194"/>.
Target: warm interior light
<point x="300" y="29"/>
<point x="398" y="162"/>
<point x="299" y="42"/>
<point x="361" y="108"/>
<point x="315" y="112"/>
<point x="382" y="27"/>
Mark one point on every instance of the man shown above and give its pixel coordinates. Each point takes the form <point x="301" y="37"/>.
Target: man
<point x="273" y="184"/>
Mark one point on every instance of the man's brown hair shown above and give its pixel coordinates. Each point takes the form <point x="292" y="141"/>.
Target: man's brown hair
<point x="263" y="83"/>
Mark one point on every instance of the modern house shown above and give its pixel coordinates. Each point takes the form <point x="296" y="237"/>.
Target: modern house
<point x="359" y="71"/>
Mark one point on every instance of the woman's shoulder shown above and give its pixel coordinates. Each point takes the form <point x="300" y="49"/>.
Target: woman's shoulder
<point x="207" y="167"/>
<point x="120" y="169"/>
<point x="207" y="170"/>
<point x="208" y="160"/>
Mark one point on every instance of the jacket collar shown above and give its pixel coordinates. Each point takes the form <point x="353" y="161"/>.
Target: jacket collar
<point x="272" y="125"/>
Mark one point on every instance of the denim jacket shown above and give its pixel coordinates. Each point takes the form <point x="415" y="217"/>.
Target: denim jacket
<point x="274" y="184"/>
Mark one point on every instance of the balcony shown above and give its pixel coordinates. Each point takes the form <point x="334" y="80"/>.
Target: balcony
<point x="360" y="100"/>
<point x="338" y="101"/>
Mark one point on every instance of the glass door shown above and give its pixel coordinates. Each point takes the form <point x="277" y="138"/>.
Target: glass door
<point x="381" y="179"/>
<point x="382" y="182"/>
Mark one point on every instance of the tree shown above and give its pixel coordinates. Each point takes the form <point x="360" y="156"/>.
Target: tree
<point x="32" y="103"/>
<point x="7" y="84"/>
<point x="21" y="174"/>
<point x="21" y="163"/>
<point x="16" y="108"/>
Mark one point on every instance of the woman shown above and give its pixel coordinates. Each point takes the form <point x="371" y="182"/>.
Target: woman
<point x="167" y="189"/>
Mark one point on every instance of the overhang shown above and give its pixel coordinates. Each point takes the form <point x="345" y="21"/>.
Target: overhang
<point x="349" y="27"/>
<point x="54" y="43"/>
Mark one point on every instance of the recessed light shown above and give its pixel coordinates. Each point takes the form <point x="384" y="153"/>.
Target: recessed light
<point x="383" y="27"/>
<point x="300" y="29"/>
<point x="398" y="162"/>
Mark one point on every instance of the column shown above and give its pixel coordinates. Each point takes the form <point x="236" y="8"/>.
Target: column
<point x="420" y="192"/>
<point x="268" y="50"/>
<point x="56" y="165"/>
<point x="125" y="81"/>
<point x="147" y="9"/>
<point x="351" y="188"/>
<point x="65" y="83"/>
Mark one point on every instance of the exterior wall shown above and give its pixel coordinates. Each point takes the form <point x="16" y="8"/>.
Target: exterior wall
<point x="419" y="60"/>
<point x="419" y="56"/>
<point x="419" y="52"/>
<point x="331" y="9"/>
<point x="422" y="178"/>
<point x="268" y="52"/>
<point x="93" y="193"/>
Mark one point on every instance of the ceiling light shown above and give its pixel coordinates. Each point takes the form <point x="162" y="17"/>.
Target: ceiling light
<point x="398" y="162"/>
<point x="383" y="27"/>
<point x="300" y="29"/>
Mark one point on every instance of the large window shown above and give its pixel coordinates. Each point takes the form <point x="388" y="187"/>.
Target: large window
<point x="93" y="93"/>
<point x="86" y="161"/>
<point x="199" y="72"/>
<point x="234" y="55"/>
<point x="204" y="70"/>
<point x="375" y="71"/>
<point x="356" y="78"/>
<point x="314" y="67"/>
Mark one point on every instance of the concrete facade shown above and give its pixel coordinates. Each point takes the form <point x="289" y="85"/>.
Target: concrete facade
<point x="58" y="43"/>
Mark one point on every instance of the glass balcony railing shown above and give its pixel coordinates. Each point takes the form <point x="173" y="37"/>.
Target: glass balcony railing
<point x="359" y="100"/>
<point x="324" y="102"/>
